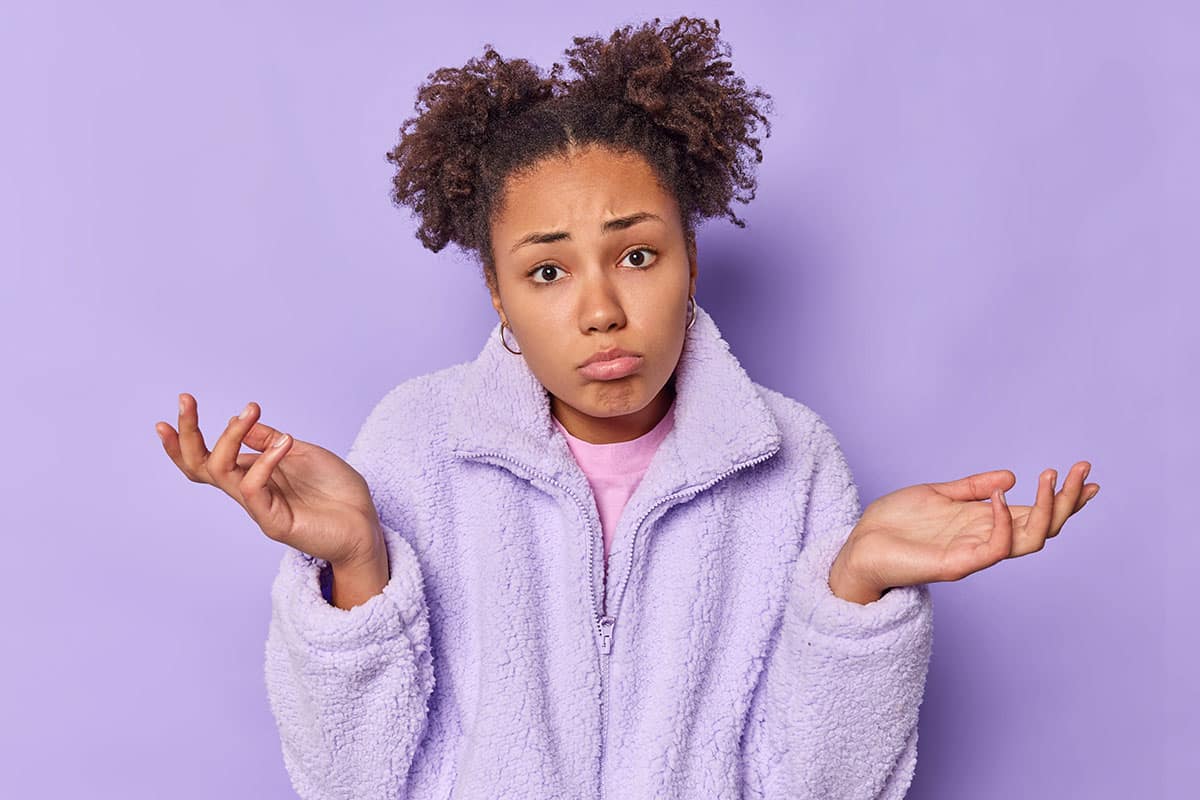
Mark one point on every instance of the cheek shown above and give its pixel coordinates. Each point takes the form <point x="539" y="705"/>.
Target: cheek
<point x="553" y="368"/>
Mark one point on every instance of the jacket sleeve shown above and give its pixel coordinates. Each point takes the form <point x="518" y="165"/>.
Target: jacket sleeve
<point x="834" y="714"/>
<point x="349" y="688"/>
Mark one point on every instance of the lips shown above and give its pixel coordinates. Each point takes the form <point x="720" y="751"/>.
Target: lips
<point x="609" y="369"/>
<point x="609" y="354"/>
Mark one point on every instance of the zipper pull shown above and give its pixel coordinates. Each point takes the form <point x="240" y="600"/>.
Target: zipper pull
<point x="606" y="626"/>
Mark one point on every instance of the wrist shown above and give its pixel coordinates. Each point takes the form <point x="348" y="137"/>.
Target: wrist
<point x="848" y="583"/>
<point x="357" y="580"/>
<point x="367" y="546"/>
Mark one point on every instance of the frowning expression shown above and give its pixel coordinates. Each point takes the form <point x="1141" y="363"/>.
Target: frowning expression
<point x="591" y="254"/>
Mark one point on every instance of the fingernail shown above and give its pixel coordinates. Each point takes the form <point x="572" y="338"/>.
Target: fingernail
<point x="1003" y="499"/>
<point x="279" y="442"/>
<point x="245" y="412"/>
<point x="158" y="433"/>
<point x="180" y="404"/>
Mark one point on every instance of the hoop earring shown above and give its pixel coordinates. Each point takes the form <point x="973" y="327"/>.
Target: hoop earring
<point x="504" y="341"/>
<point x="692" y="300"/>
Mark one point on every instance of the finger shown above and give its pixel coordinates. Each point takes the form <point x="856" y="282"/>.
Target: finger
<point x="222" y="462"/>
<point x="170" y="443"/>
<point x="257" y="436"/>
<point x="192" y="449"/>
<point x="1067" y="500"/>
<point x="260" y="437"/>
<point x="263" y="501"/>
<point x="979" y="486"/>
<point x="1032" y="535"/>
<point x="999" y="542"/>
<point x="1089" y="491"/>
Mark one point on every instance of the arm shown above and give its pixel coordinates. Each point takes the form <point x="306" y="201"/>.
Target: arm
<point x="835" y="711"/>
<point x="349" y="687"/>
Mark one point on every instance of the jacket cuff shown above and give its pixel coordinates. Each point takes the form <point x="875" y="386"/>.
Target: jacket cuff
<point x="845" y="619"/>
<point x="297" y="593"/>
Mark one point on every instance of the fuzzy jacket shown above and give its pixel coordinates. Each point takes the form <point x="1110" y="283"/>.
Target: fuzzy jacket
<point x="498" y="662"/>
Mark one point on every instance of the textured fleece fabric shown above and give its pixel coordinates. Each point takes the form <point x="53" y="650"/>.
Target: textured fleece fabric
<point x="615" y="469"/>
<point x="725" y="667"/>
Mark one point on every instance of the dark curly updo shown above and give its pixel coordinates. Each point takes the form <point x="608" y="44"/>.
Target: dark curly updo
<point x="666" y="94"/>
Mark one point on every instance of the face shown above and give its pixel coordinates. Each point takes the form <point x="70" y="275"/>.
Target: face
<point x="590" y="254"/>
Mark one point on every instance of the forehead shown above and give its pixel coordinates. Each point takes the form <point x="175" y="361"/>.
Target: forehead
<point x="589" y="185"/>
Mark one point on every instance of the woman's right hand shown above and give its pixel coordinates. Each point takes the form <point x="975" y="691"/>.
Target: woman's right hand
<point x="300" y="494"/>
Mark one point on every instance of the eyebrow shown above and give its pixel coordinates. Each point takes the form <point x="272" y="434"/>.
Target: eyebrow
<point x="616" y="224"/>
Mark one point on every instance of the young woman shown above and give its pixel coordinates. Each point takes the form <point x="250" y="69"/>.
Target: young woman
<point x="598" y="560"/>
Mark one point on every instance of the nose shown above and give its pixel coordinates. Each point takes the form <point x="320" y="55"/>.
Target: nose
<point x="600" y="306"/>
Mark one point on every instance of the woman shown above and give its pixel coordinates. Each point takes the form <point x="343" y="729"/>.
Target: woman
<point x="597" y="560"/>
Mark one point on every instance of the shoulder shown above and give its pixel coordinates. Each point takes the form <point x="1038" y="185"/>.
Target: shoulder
<point x="400" y="454"/>
<point x="812" y="455"/>
<point x="410" y="419"/>
<point x="403" y="403"/>
<point x="803" y="429"/>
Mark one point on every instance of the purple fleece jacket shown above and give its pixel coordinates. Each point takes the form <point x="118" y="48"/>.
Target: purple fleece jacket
<point x="724" y="667"/>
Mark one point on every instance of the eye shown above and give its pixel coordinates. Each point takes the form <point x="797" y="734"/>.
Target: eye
<point x="641" y="259"/>
<point x="541" y="269"/>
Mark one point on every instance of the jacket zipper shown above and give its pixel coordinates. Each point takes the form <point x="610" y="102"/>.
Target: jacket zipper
<point x="605" y="622"/>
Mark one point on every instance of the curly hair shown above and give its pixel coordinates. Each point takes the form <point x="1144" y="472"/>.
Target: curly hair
<point x="668" y="94"/>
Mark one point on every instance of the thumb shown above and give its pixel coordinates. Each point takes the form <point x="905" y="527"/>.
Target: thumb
<point x="260" y="437"/>
<point x="978" y="486"/>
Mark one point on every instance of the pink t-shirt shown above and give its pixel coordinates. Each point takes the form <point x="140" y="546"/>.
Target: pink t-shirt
<point x="614" y="470"/>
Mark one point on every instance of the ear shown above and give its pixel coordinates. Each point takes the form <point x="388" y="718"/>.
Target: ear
<point x="693" y="264"/>
<point x="494" y="291"/>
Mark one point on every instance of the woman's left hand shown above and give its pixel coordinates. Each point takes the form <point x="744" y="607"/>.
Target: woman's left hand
<point x="944" y="532"/>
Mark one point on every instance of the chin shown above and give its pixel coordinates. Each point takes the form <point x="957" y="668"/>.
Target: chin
<point x="615" y="398"/>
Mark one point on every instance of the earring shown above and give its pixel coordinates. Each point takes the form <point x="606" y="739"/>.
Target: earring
<point x="692" y="300"/>
<point x="504" y="341"/>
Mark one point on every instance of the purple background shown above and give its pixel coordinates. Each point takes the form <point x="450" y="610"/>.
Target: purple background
<point x="972" y="248"/>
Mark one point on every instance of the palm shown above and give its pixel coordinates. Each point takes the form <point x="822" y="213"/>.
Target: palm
<point x="944" y="531"/>
<point x="320" y="497"/>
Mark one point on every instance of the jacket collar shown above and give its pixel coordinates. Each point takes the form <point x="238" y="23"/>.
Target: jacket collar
<point x="501" y="409"/>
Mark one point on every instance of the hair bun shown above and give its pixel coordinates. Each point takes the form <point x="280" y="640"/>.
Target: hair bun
<point x="483" y="92"/>
<point x="661" y="71"/>
<point x="681" y="78"/>
<point x="438" y="156"/>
